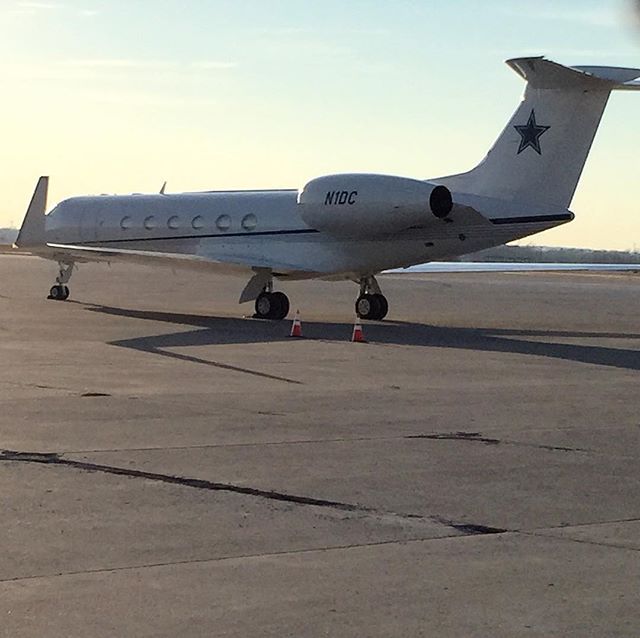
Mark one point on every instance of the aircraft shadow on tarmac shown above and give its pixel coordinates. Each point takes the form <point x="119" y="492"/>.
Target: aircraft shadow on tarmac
<point x="211" y="330"/>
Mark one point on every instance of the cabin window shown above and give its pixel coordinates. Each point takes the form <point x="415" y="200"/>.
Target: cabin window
<point x="173" y="222"/>
<point x="150" y="222"/>
<point x="126" y="223"/>
<point x="223" y="222"/>
<point x="249" y="222"/>
<point x="197" y="223"/>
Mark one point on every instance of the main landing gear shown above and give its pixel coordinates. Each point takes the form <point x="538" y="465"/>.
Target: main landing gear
<point x="371" y="304"/>
<point x="272" y="305"/>
<point x="60" y="291"/>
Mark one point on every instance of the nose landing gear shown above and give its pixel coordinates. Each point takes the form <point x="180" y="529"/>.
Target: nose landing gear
<point x="60" y="291"/>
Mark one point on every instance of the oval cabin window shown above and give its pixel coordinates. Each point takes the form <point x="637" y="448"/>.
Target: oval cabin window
<point x="223" y="222"/>
<point x="173" y="222"/>
<point x="126" y="223"/>
<point x="197" y="223"/>
<point x="150" y="222"/>
<point x="249" y="222"/>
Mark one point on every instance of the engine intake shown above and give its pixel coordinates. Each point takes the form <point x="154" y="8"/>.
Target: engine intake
<point x="441" y="202"/>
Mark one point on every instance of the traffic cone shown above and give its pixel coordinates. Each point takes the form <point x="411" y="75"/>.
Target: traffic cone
<point x="358" y="335"/>
<point x="296" y="326"/>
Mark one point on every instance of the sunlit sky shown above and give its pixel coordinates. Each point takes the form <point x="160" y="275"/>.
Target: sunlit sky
<point x="117" y="96"/>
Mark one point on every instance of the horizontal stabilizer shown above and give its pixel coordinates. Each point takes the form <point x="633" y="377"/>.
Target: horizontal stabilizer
<point x="624" y="79"/>
<point x="32" y="231"/>
<point x="545" y="74"/>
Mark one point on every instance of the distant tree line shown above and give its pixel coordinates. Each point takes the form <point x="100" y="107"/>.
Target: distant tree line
<point x="8" y="235"/>
<point x="548" y="254"/>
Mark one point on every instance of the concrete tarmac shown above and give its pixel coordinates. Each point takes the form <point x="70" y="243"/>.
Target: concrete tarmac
<point x="170" y="468"/>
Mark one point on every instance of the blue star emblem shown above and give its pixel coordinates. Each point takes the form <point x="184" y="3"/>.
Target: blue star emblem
<point x="531" y="132"/>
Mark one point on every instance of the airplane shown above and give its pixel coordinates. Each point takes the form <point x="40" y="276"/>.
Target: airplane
<point x="349" y="226"/>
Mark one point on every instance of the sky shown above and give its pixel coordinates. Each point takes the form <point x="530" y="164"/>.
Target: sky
<point x="117" y="96"/>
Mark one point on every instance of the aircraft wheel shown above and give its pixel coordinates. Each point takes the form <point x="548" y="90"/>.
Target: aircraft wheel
<point x="383" y="306"/>
<point x="272" y="305"/>
<point x="372" y="307"/>
<point x="282" y="303"/>
<point x="58" y="292"/>
<point x="264" y="305"/>
<point x="367" y="306"/>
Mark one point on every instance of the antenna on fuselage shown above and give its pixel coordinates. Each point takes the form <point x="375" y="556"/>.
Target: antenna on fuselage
<point x="162" y="189"/>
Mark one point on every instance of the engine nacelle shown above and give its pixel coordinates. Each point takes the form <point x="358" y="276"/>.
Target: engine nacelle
<point x="362" y="205"/>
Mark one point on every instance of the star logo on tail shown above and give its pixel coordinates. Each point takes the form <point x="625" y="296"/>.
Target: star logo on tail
<point x="531" y="132"/>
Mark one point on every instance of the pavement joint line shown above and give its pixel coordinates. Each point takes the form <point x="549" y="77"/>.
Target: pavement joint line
<point x="205" y="446"/>
<point x="582" y="541"/>
<point x="308" y="550"/>
<point x="358" y="439"/>
<point x="464" y="528"/>
<point x="287" y="552"/>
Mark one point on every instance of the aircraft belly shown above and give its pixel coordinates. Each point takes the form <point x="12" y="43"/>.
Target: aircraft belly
<point x="318" y="255"/>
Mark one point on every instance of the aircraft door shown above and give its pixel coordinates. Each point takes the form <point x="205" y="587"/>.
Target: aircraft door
<point x="88" y="226"/>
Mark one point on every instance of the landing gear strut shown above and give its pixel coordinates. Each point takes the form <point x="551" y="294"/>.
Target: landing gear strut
<point x="271" y="305"/>
<point x="60" y="291"/>
<point x="371" y="304"/>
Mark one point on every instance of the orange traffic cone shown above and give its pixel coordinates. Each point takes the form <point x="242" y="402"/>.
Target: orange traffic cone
<point x="358" y="335"/>
<point x="296" y="326"/>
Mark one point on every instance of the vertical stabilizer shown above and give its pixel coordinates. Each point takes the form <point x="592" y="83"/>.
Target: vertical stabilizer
<point x="32" y="232"/>
<point x="541" y="153"/>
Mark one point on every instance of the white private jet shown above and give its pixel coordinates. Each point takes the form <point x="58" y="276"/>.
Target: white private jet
<point x="350" y="226"/>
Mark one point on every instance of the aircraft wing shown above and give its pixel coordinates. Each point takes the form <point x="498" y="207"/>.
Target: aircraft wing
<point x="480" y="267"/>
<point x="236" y="263"/>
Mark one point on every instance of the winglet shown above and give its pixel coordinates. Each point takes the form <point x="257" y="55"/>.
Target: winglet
<point x="32" y="232"/>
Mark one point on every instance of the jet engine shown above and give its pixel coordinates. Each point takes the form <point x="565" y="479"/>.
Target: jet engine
<point x="361" y="205"/>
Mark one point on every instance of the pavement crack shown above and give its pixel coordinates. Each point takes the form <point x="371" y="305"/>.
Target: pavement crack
<point x="469" y="529"/>
<point x="52" y="458"/>
<point x="476" y="437"/>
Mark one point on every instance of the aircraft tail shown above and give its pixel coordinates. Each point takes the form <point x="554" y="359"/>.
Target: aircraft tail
<point x="32" y="231"/>
<point x="540" y="155"/>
